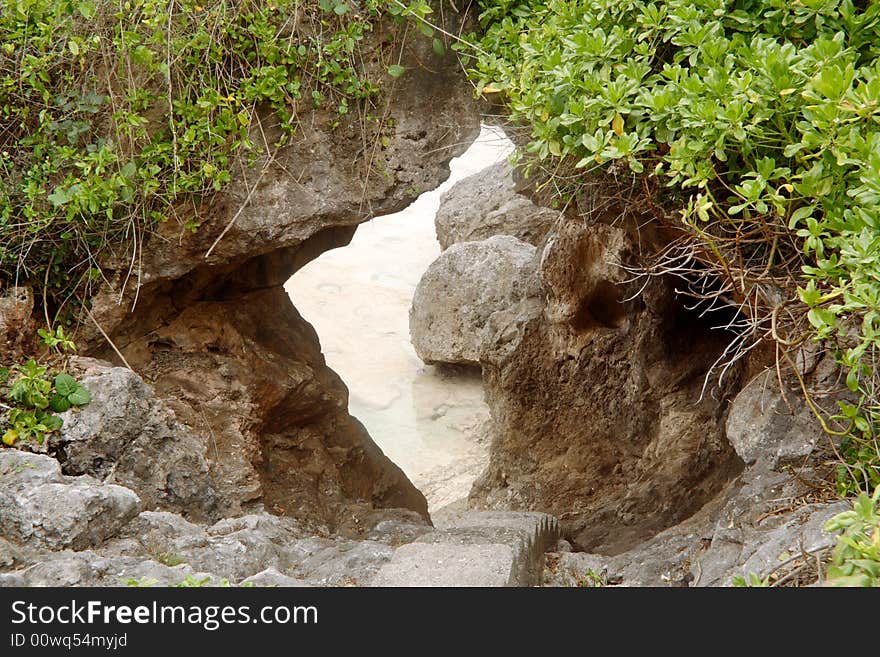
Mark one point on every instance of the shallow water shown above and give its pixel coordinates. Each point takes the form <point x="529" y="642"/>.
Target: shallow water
<point x="427" y="420"/>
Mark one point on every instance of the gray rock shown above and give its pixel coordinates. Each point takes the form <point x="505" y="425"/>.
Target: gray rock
<point x="235" y="548"/>
<point x="77" y="515"/>
<point x="271" y="577"/>
<point x="739" y="533"/>
<point x="486" y="204"/>
<point x="474" y="548"/>
<point x="325" y="562"/>
<point x="456" y="297"/>
<point x="391" y="526"/>
<point x="765" y="425"/>
<point x="528" y="534"/>
<point x="42" y="508"/>
<point x="88" y="568"/>
<point x="128" y="436"/>
<point x="761" y="550"/>
<point x="22" y="471"/>
<point x="448" y="564"/>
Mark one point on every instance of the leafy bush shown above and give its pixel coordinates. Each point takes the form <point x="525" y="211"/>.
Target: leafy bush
<point x="856" y="557"/>
<point x="761" y="118"/>
<point x="117" y="115"/>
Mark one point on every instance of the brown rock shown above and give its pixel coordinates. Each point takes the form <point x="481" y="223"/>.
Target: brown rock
<point x="596" y="399"/>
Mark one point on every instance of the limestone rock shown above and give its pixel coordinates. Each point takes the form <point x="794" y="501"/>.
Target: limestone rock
<point x="234" y="548"/>
<point x="596" y="397"/>
<point x="328" y="562"/>
<point x="764" y="425"/>
<point x="474" y="549"/>
<point x="40" y="507"/>
<point x="88" y="568"/>
<point x="441" y="564"/>
<point x="271" y="577"/>
<point x="743" y="530"/>
<point x="207" y="322"/>
<point x="457" y="296"/>
<point x="128" y="436"/>
<point x="487" y="204"/>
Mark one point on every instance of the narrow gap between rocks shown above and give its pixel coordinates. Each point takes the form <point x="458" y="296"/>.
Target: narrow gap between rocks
<point x="429" y="420"/>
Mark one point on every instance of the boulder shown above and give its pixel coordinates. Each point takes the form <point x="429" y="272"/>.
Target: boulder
<point x="40" y="507"/>
<point x="461" y="290"/>
<point x="128" y="436"/>
<point x="487" y="204"/>
<point x="770" y="426"/>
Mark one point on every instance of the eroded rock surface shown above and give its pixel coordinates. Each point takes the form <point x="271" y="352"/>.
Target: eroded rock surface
<point x="487" y="204"/>
<point x="596" y="397"/>
<point x="129" y="437"/>
<point x="753" y="527"/>
<point x="769" y="427"/>
<point x="41" y="508"/>
<point x="457" y="296"/>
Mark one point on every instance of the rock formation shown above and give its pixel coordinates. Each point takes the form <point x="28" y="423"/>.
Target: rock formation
<point x="204" y="317"/>
<point x="486" y="204"/>
<point x="219" y="444"/>
<point x="456" y="297"/>
<point x="597" y="401"/>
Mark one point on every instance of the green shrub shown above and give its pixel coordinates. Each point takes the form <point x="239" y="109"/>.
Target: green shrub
<point x="761" y="118"/>
<point x="856" y="557"/>
<point x="117" y="115"/>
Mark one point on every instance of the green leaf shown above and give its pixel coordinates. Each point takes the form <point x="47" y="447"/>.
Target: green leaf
<point x="79" y="397"/>
<point x="53" y="423"/>
<point x="65" y="384"/>
<point x="59" y="197"/>
<point x="439" y="47"/>
<point x="396" y="70"/>
<point x="59" y="404"/>
<point x="87" y="10"/>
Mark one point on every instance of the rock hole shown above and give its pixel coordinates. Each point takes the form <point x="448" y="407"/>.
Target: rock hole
<point x="425" y="418"/>
<point x="602" y="309"/>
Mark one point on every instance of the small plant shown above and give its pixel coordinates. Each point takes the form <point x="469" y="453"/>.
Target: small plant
<point x="34" y="395"/>
<point x="169" y="559"/>
<point x="592" y="579"/>
<point x="57" y="340"/>
<point x="856" y="557"/>
<point x="189" y="582"/>
<point x="192" y="582"/>
<point x="754" y="581"/>
<point x="142" y="582"/>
